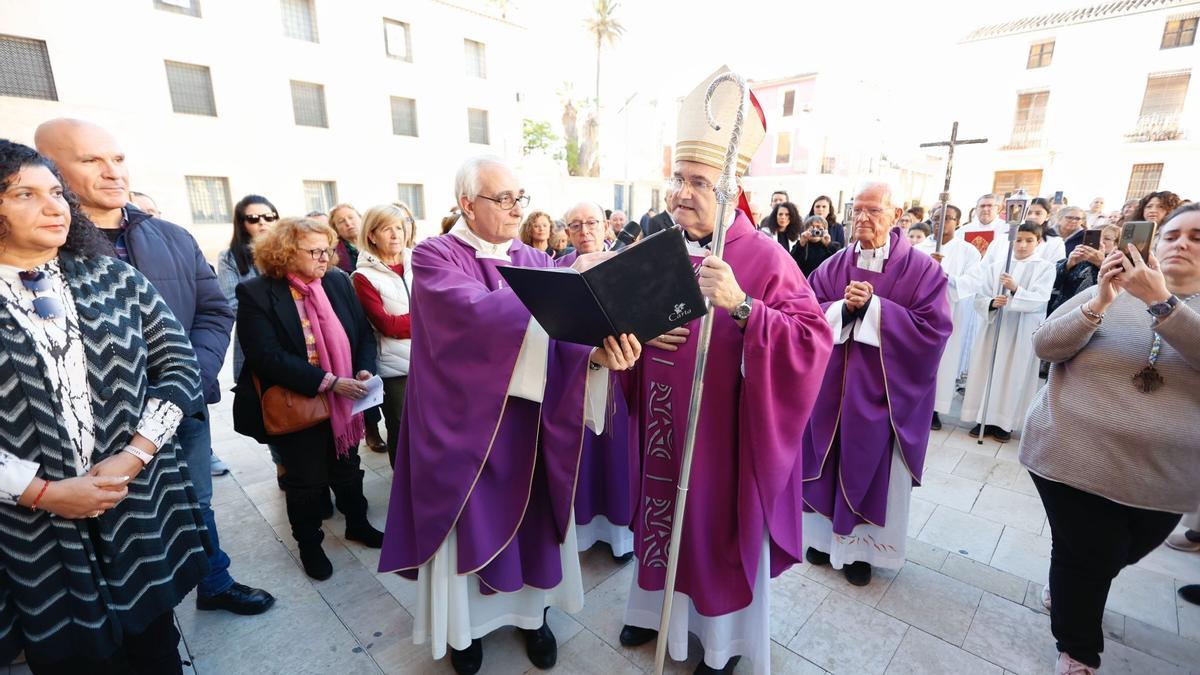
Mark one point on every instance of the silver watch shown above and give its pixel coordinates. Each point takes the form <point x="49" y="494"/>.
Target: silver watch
<point x="742" y="311"/>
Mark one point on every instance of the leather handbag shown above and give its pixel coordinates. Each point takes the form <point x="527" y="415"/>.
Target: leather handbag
<point x="284" y="411"/>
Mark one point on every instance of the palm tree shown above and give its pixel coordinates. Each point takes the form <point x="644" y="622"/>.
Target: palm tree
<point x="604" y="28"/>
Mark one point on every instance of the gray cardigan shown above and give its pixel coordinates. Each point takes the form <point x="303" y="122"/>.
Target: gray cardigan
<point x="1090" y="428"/>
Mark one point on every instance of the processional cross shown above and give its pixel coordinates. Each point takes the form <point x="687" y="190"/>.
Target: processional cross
<point x="944" y="197"/>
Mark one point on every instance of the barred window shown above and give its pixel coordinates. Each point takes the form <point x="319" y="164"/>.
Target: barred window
<point x="308" y="104"/>
<point x="186" y="7"/>
<point x="319" y="195"/>
<point x="476" y="59"/>
<point x="1179" y="33"/>
<point x="1143" y="180"/>
<point x="191" y="89"/>
<point x="404" y="116"/>
<point x="209" y="198"/>
<point x="299" y="19"/>
<point x="413" y="194"/>
<point x="477" y="126"/>
<point x="25" y="69"/>
<point x="1040" y="55"/>
<point x="397" y="39"/>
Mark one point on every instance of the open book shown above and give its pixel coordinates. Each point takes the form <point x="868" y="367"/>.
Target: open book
<point x="646" y="289"/>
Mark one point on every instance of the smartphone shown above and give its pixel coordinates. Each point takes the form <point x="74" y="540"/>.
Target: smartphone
<point x="1140" y="233"/>
<point x="1058" y="197"/>
<point x="1091" y="238"/>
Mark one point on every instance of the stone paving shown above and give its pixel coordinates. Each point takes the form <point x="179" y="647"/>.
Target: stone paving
<point x="967" y="600"/>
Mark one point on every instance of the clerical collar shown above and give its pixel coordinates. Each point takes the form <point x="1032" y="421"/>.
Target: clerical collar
<point x="870" y="253"/>
<point x="483" y="249"/>
<point x="700" y="244"/>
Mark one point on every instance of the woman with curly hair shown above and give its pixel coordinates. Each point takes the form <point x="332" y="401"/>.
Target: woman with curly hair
<point x="536" y="231"/>
<point x="100" y="534"/>
<point x="302" y="328"/>
<point x="1156" y="205"/>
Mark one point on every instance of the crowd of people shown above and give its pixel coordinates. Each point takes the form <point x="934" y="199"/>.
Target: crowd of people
<point x="837" y="348"/>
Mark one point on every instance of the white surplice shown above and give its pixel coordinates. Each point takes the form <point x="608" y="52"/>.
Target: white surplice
<point x="1015" y="380"/>
<point x="959" y="260"/>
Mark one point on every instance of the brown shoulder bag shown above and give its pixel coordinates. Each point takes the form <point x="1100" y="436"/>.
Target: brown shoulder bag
<point x="284" y="411"/>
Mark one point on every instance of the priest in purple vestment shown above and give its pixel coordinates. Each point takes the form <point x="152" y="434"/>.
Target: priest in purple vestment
<point x="864" y="448"/>
<point x="607" y="465"/>
<point x="770" y="344"/>
<point x="490" y="437"/>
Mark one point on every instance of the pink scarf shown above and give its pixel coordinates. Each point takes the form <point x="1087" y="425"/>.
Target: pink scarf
<point x="333" y="353"/>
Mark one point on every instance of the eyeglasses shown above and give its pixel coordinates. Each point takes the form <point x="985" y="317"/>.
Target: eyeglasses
<point x="1074" y="218"/>
<point x="318" y="253"/>
<point x="576" y="225"/>
<point x="266" y="217"/>
<point x="675" y="184"/>
<point x="36" y="281"/>
<point x="506" y="201"/>
<point x="873" y="212"/>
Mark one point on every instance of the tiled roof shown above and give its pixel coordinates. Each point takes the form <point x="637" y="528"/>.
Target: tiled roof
<point x="1108" y="10"/>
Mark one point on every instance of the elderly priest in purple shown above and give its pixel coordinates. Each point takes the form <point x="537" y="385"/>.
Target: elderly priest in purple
<point x="864" y="448"/>
<point x="490" y="437"/>
<point x="769" y="346"/>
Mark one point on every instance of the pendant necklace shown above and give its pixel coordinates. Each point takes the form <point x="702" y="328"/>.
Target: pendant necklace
<point x="1148" y="379"/>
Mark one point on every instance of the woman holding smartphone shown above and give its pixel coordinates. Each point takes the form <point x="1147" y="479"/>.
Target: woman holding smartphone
<point x="1080" y="269"/>
<point x="1115" y="478"/>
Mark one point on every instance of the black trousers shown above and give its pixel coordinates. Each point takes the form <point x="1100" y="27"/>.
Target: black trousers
<point x="393" y="405"/>
<point x="1093" y="540"/>
<point x="311" y="468"/>
<point x="154" y="651"/>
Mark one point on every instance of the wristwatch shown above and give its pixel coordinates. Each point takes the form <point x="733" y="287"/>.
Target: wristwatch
<point x="742" y="311"/>
<point x="1161" y="309"/>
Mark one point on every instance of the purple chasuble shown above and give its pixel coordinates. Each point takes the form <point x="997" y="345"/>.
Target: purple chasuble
<point x="607" y="467"/>
<point x="498" y="470"/>
<point x="759" y="387"/>
<point x="875" y="397"/>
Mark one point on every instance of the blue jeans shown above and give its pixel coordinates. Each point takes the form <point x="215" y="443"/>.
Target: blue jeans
<point x="195" y="441"/>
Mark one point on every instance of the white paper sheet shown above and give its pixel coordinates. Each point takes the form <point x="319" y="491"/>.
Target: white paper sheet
<point x="373" y="398"/>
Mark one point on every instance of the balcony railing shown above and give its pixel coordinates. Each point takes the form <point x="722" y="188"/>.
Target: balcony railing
<point x="1025" y="135"/>
<point x="1156" y="127"/>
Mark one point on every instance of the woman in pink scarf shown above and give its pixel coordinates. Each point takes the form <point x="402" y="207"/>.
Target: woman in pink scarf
<point x="301" y="328"/>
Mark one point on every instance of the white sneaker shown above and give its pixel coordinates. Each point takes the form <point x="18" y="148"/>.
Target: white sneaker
<point x="1069" y="666"/>
<point x="1046" y="597"/>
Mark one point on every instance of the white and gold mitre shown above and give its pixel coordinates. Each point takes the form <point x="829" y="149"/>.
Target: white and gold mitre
<point x="698" y="142"/>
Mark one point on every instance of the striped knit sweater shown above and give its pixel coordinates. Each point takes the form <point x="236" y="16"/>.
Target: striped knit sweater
<point x="1090" y="428"/>
<point x="79" y="586"/>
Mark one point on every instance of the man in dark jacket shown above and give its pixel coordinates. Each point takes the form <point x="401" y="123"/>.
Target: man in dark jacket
<point x="93" y="165"/>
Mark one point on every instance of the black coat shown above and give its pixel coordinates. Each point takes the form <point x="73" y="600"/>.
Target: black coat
<point x="660" y="221"/>
<point x="810" y="257"/>
<point x="271" y="338"/>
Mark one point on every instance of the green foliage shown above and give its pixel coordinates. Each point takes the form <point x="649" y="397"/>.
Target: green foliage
<point x="538" y="137"/>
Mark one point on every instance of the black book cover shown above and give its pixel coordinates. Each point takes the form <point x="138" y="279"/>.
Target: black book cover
<point x="646" y="290"/>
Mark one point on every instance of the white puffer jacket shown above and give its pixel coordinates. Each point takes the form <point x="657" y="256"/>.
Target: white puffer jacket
<point x="394" y="290"/>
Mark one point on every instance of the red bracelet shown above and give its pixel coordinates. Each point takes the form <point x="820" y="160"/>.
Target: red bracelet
<point x="38" y="498"/>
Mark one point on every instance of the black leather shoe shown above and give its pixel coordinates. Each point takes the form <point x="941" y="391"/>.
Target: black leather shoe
<point x="365" y="534"/>
<point x="239" y="599"/>
<point x="975" y="430"/>
<point x="467" y="661"/>
<point x="622" y="559"/>
<point x="705" y="669"/>
<point x="541" y="647"/>
<point x="374" y="440"/>
<point x="815" y="557"/>
<point x="936" y="424"/>
<point x="632" y="636"/>
<point x="1191" y="593"/>
<point x="858" y="573"/>
<point x="999" y="434"/>
<point x="316" y="563"/>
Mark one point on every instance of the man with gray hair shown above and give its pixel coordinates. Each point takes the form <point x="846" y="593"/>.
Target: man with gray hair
<point x="864" y="448"/>
<point x="489" y="439"/>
